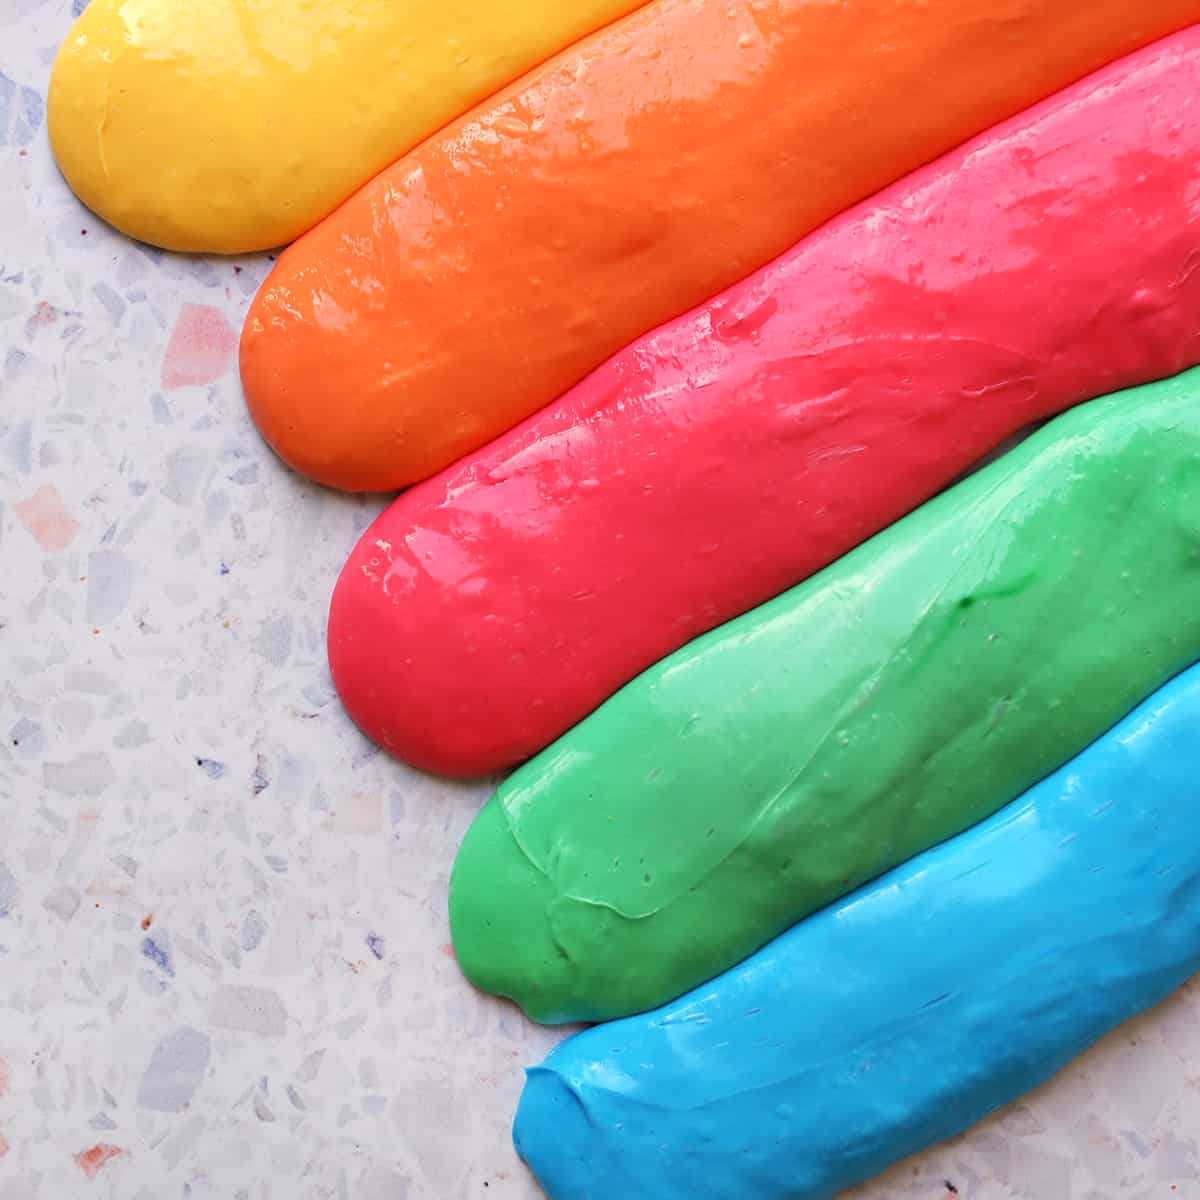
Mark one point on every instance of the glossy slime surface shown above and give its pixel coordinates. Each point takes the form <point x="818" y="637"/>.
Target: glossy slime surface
<point x="618" y="185"/>
<point x="728" y="455"/>
<point x="234" y="125"/>
<point x="905" y="1013"/>
<point x="900" y="696"/>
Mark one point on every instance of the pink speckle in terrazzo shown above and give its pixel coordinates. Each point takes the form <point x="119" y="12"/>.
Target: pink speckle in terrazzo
<point x="201" y="347"/>
<point x="47" y="519"/>
<point x="44" y="314"/>
<point x="91" y="1161"/>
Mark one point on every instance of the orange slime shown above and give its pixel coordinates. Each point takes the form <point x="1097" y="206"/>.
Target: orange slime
<point x="626" y="180"/>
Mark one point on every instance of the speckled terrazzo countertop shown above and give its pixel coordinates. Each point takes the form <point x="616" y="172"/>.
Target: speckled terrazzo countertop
<point x="224" y="960"/>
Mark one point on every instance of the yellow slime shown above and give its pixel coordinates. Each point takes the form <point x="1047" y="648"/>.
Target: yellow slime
<point x="234" y="125"/>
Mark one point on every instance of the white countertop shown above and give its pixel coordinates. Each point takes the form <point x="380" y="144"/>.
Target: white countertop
<point x="223" y="941"/>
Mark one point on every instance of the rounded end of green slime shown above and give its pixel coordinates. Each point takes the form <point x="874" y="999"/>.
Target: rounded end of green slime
<point x="499" y="919"/>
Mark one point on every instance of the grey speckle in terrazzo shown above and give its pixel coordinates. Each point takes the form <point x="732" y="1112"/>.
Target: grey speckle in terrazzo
<point x="176" y="1069"/>
<point x="226" y="966"/>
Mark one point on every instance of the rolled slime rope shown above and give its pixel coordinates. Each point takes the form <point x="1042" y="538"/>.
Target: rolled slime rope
<point x="628" y="179"/>
<point x="905" y="1013"/>
<point x="233" y="125"/>
<point x="732" y="453"/>
<point x="896" y="698"/>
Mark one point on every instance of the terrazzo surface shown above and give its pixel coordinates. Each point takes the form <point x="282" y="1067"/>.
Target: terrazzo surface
<point x="224" y="959"/>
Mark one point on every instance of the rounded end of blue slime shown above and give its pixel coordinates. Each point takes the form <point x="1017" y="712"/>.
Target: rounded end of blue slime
<point x="551" y="1136"/>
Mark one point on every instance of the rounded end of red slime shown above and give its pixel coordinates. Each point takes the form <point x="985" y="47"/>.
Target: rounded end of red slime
<point x="369" y="655"/>
<point x="429" y="657"/>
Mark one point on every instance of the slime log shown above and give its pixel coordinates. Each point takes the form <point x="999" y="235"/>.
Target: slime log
<point x="631" y="177"/>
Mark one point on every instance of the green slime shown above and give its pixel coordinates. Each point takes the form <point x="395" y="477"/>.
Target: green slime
<point x="898" y="697"/>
